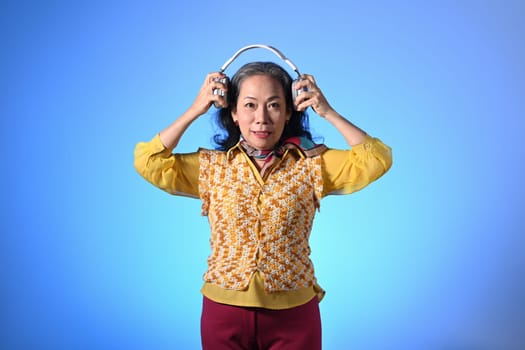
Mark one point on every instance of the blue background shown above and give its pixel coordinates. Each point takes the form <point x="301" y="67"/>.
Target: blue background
<point x="429" y="257"/>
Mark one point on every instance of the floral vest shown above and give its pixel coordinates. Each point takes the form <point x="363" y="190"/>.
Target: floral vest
<point x="258" y="226"/>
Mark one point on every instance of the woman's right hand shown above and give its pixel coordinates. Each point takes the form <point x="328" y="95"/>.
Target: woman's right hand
<point x="206" y="97"/>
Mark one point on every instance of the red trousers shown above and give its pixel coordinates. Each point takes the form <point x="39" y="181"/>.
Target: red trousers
<point x="235" y="328"/>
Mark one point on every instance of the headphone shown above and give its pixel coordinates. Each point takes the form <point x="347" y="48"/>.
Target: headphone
<point x="226" y="80"/>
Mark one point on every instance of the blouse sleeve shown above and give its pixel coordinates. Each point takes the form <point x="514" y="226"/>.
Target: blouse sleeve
<point x="177" y="173"/>
<point x="347" y="171"/>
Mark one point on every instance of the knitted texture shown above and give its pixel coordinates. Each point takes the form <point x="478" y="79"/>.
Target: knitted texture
<point x="258" y="226"/>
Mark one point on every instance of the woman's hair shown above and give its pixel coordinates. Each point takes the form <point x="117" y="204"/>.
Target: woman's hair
<point x="230" y="133"/>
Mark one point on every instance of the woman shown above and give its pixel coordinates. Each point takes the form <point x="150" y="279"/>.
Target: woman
<point x="260" y="190"/>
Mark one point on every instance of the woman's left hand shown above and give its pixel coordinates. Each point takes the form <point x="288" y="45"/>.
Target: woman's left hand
<point x="313" y="97"/>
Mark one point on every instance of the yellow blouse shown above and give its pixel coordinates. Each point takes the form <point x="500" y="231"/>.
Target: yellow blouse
<point x="344" y="172"/>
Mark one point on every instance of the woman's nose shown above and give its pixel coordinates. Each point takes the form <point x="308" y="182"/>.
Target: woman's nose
<point x="262" y="116"/>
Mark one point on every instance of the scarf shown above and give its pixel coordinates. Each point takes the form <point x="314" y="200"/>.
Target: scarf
<point x="303" y="144"/>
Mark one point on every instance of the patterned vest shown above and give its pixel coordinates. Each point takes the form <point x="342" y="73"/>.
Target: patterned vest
<point x="258" y="226"/>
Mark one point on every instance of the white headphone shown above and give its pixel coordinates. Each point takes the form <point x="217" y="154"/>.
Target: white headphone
<point x="226" y="80"/>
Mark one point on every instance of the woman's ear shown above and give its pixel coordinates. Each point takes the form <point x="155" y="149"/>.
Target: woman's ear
<point x="234" y="117"/>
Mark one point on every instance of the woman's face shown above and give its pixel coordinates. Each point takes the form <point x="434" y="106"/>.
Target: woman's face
<point x="261" y="111"/>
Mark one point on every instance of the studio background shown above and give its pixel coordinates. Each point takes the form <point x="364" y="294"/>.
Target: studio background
<point x="430" y="257"/>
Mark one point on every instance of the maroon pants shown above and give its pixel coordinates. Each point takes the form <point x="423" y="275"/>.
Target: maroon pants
<point x="234" y="328"/>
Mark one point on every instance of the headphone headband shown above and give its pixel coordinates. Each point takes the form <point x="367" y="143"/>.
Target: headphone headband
<point x="271" y="48"/>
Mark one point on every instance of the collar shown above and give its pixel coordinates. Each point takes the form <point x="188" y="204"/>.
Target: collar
<point x="302" y="146"/>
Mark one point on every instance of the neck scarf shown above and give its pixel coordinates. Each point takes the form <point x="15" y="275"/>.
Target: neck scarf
<point x="305" y="145"/>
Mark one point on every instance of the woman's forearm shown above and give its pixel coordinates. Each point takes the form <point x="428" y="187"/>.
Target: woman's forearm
<point x="352" y="134"/>
<point x="171" y="135"/>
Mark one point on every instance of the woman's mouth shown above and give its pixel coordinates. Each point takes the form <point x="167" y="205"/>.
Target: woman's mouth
<point x="261" y="134"/>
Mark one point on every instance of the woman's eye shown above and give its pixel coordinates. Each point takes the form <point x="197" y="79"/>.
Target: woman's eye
<point x="274" y="105"/>
<point x="249" y="105"/>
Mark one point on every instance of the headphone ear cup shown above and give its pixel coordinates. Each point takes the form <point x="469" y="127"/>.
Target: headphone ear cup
<point x="296" y="92"/>
<point x="226" y="82"/>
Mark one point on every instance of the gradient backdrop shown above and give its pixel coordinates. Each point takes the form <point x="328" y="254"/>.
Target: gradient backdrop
<point x="430" y="257"/>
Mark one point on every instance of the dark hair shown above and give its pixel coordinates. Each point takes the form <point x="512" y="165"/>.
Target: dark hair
<point x="230" y="133"/>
